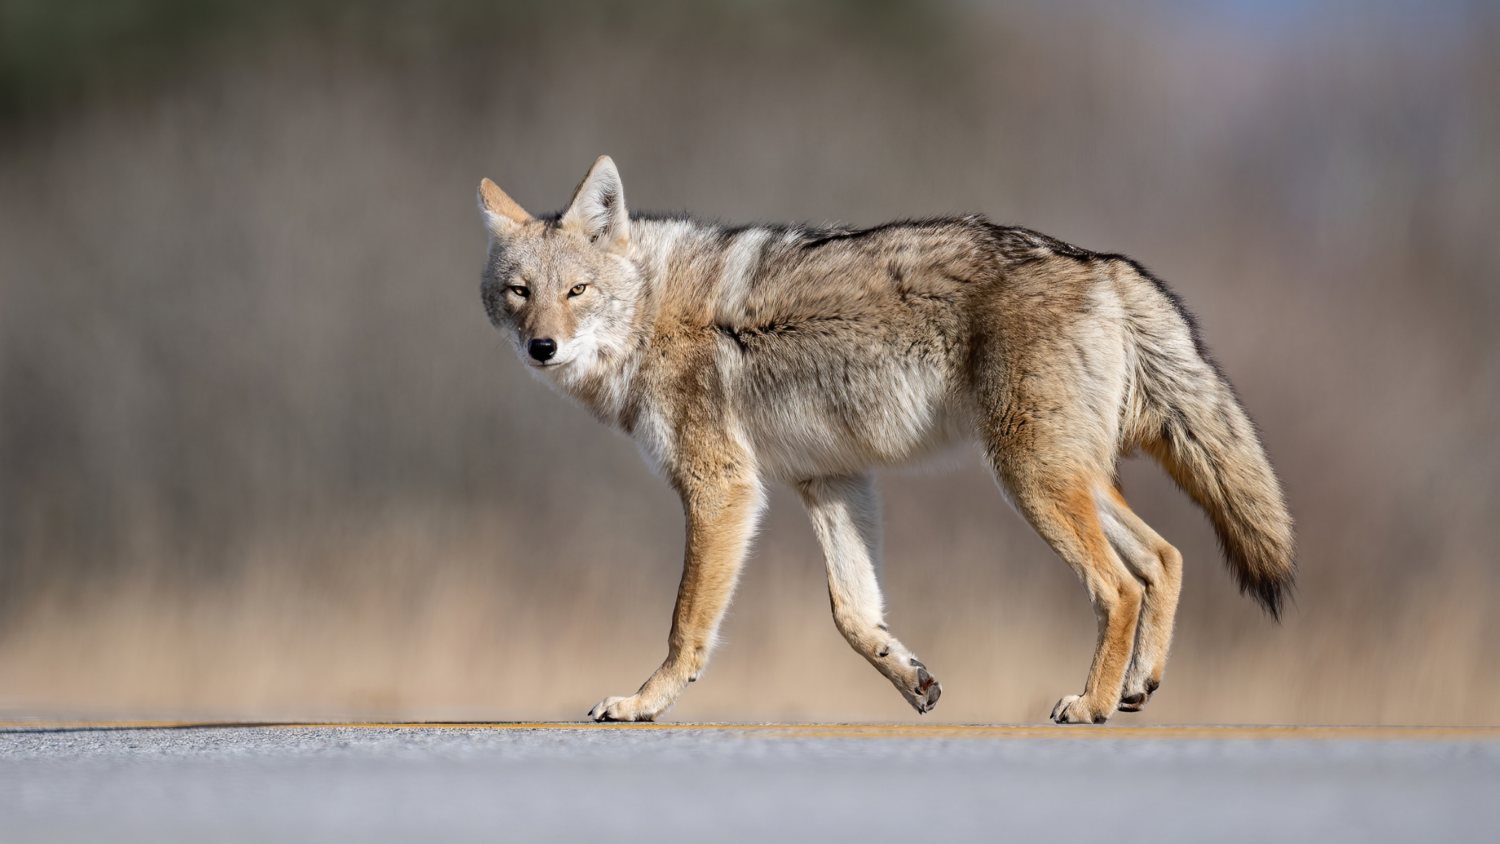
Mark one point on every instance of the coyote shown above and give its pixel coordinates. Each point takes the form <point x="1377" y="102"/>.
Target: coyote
<point x="736" y="356"/>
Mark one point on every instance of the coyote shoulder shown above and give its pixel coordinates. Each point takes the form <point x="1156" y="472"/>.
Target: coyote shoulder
<point x="737" y="357"/>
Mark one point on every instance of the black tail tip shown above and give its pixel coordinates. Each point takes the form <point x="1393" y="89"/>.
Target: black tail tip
<point x="1267" y="577"/>
<point x="1271" y="594"/>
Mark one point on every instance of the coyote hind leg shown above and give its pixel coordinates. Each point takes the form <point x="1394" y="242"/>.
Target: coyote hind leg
<point x="1158" y="566"/>
<point x="846" y="518"/>
<point x="1062" y="507"/>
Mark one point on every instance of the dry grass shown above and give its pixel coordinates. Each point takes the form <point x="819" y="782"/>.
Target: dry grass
<point x="397" y="636"/>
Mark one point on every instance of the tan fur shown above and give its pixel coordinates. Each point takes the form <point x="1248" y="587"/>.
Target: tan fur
<point x="494" y="201"/>
<point x="737" y="357"/>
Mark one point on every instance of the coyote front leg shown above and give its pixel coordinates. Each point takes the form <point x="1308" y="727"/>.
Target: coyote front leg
<point x="721" y="516"/>
<point x="846" y="517"/>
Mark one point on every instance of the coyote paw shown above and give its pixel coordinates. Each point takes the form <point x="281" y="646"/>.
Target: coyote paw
<point x="623" y="709"/>
<point x="923" y="691"/>
<point x="1077" y="709"/>
<point x="1136" y="701"/>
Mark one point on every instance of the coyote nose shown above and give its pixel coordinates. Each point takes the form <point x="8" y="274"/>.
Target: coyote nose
<point x="542" y="349"/>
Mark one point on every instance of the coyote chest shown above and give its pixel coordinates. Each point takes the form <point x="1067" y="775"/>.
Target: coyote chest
<point x="839" y="415"/>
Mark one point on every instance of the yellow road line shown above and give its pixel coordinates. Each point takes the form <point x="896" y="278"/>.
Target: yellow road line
<point x="1350" y="733"/>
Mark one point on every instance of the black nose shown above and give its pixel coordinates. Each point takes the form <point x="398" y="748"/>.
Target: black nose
<point x="542" y="349"/>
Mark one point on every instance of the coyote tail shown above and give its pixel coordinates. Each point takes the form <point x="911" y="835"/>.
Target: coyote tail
<point x="1199" y="432"/>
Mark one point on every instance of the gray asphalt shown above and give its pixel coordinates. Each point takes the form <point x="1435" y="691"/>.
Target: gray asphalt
<point x="288" y="784"/>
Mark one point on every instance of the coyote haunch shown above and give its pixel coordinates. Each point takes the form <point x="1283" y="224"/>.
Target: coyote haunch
<point x="740" y="356"/>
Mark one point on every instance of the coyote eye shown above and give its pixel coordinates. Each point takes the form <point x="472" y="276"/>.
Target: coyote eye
<point x="578" y="289"/>
<point x="520" y="291"/>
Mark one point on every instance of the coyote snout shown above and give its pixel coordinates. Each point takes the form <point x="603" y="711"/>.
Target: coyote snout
<point x="737" y="357"/>
<point x="542" y="350"/>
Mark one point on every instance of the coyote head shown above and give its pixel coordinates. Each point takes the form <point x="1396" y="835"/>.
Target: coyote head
<point x="561" y="287"/>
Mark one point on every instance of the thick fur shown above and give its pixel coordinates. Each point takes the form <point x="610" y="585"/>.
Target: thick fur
<point x="741" y="356"/>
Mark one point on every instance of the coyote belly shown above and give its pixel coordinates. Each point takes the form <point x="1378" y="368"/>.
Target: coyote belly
<point x="740" y="357"/>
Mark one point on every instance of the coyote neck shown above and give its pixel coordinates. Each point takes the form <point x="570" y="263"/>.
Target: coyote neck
<point x="679" y="262"/>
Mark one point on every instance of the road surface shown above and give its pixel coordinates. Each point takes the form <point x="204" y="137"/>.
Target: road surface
<point x="690" y="783"/>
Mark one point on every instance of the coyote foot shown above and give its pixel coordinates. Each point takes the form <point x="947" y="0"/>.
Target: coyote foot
<point x="1136" y="701"/>
<point x="924" y="691"/>
<point x="1077" y="709"/>
<point x="623" y="709"/>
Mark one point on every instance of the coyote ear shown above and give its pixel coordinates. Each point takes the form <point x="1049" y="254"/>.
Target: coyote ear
<point x="598" y="208"/>
<point x="502" y="216"/>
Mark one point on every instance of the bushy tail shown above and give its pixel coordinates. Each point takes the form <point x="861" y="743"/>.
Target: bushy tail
<point x="1197" y="430"/>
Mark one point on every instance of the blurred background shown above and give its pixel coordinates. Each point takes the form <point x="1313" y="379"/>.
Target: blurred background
<point x="261" y="455"/>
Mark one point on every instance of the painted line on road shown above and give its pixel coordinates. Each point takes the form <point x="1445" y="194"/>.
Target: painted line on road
<point x="1325" y="733"/>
